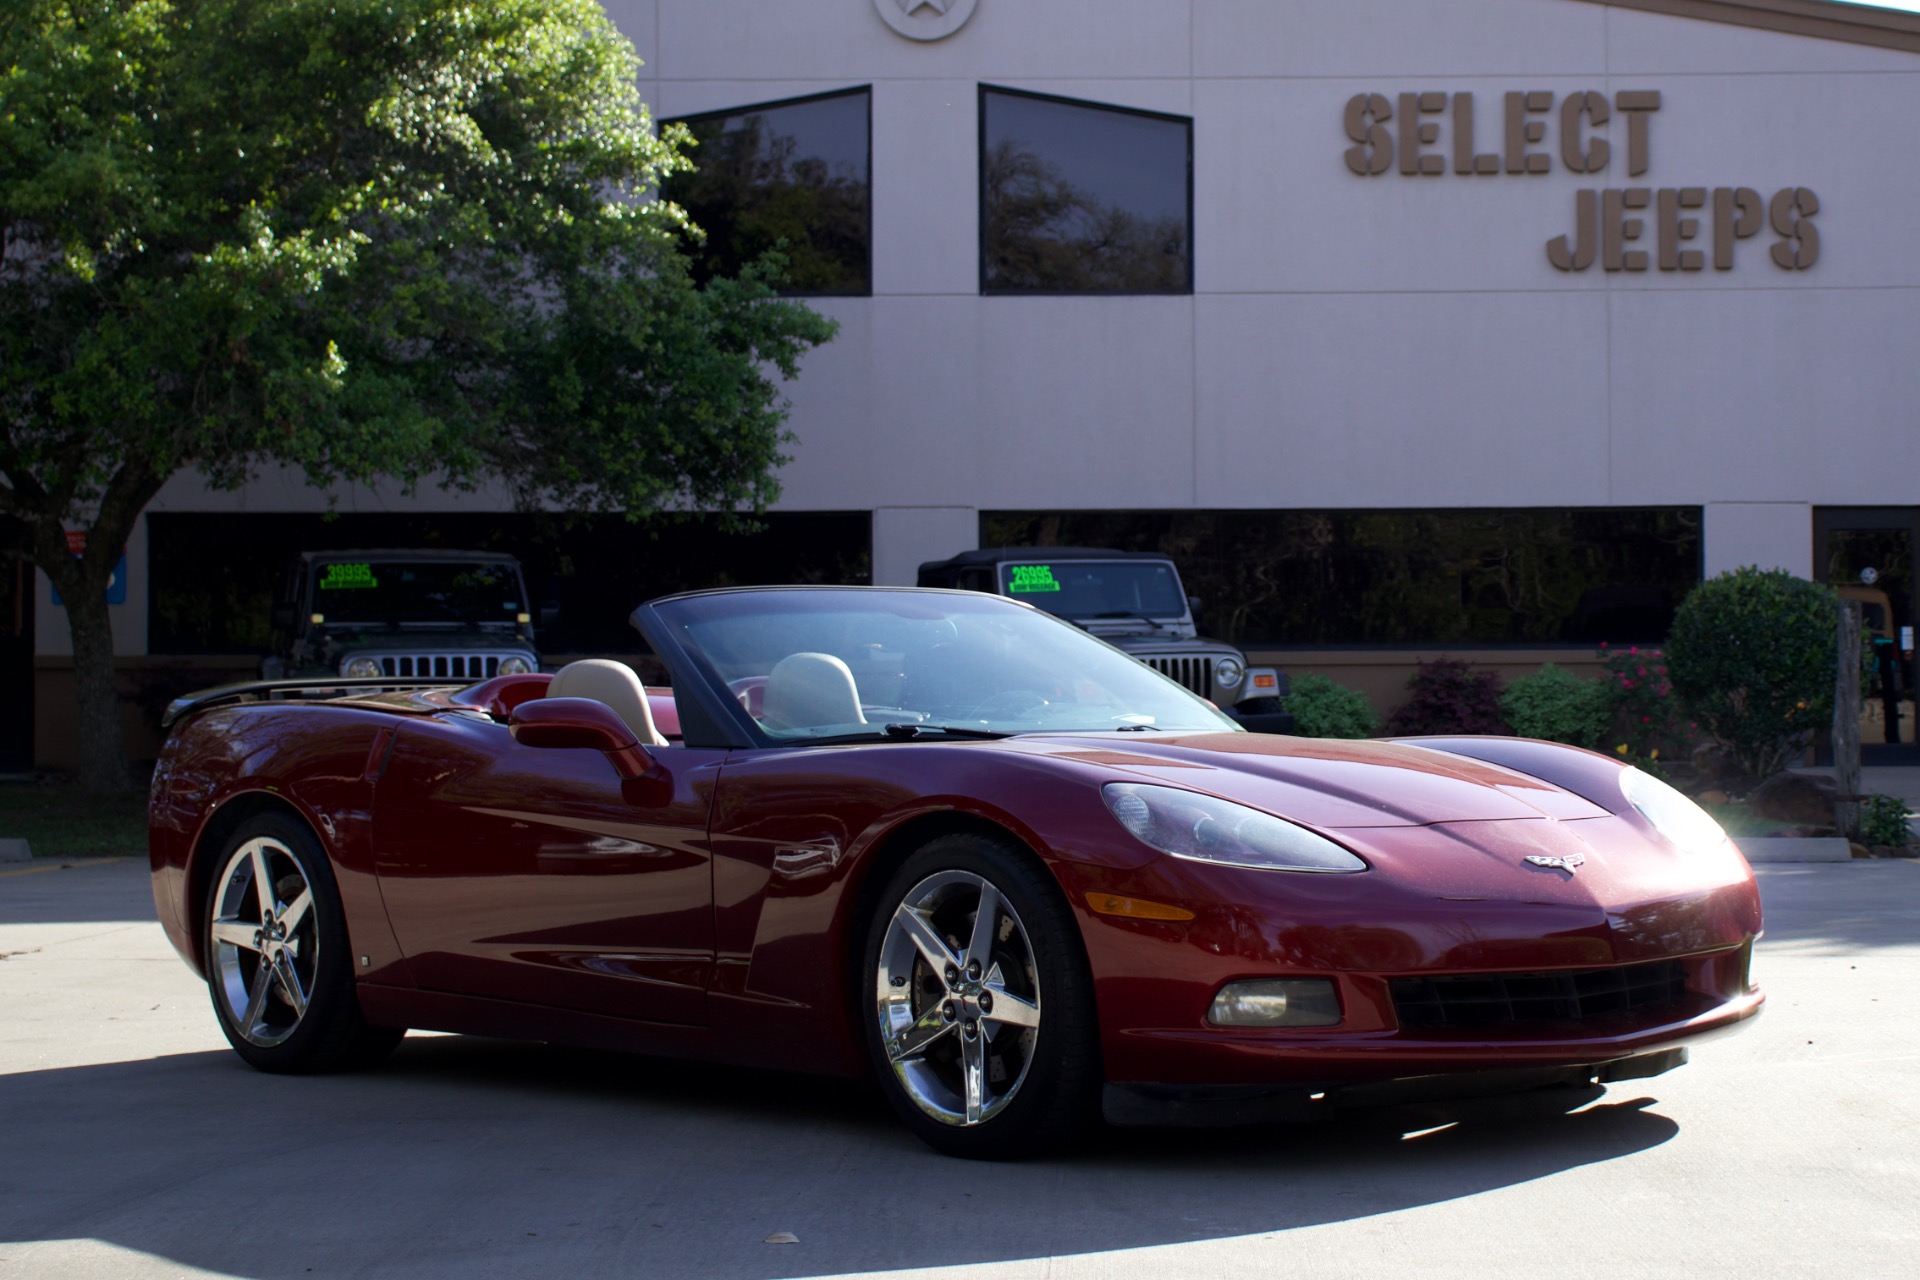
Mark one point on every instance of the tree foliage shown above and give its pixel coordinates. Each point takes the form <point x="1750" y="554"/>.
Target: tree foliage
<point x="359" y="238"/>
<point x="1752" y="655"/>
<point x="753" y="190"/>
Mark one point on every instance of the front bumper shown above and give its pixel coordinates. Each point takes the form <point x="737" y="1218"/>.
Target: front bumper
<point x="1335" y="1075"/>
<point x="1230" y="1106"/>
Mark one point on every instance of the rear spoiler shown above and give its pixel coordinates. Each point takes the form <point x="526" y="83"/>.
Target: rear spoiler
<point x="298" y="691"/>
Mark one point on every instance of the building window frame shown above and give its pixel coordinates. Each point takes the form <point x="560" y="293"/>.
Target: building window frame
<point x="865" y="90"/>
<point x="1184" y="289"/>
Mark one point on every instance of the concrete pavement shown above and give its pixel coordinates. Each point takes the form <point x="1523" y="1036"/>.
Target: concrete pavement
<point x="134" y="1144"/>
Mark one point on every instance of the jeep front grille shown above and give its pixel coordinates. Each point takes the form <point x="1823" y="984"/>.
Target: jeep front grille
<point x="467" y="666"/>
<point x="1194" y="673"/>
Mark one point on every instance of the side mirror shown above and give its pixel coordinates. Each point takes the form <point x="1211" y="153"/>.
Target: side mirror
<point x="548" y="615"/>
<point x="582" y="722"/>
<point x="1193" y="607"/>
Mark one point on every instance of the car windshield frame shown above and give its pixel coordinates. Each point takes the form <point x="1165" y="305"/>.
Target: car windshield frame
<point x="1041" y="589"/>
<point x="708" y="641"/>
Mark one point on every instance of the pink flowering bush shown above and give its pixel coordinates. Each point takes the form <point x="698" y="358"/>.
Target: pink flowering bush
<point x="1649" y="722"/>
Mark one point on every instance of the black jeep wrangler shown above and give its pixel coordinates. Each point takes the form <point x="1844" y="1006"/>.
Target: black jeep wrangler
<point x="1134" y="601"/>
<point x="402" y="613"/>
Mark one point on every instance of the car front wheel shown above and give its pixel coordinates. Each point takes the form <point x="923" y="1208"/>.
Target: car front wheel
<point x="277" y="955"/>
<point x="981" y="1028"/>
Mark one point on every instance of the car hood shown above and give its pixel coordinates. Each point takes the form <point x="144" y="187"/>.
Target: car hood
<point x="1330" y="784"/>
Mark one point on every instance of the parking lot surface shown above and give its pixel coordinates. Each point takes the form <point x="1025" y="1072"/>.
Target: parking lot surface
<point x="133" y="1143"/>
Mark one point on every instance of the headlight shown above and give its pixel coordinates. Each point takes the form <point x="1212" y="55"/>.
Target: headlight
<point x="1674" y="816"/>
<point x="515" y="666"/>
<point x="1228" y="672"/>
<point x="1189" y="825"/>
<point x="360" y="668"/>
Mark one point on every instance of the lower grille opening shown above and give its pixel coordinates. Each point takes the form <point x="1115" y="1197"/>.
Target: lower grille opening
<point x="1510" y="999"/>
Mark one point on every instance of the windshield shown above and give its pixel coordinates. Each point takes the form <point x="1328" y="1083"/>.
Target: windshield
<point x="872" y="663"/>
<point x="433" y="591"/>
<point x="1088" y="589"/>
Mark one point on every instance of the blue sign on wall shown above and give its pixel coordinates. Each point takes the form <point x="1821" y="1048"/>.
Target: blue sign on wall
<point x="116" y="586"/>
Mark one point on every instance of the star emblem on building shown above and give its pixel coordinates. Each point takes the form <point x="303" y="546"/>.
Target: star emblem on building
<point x="925" y="19"/>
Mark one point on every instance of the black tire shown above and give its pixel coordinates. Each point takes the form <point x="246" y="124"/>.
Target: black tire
<point x="1021" y="1023"/>
<point x="265" y="950"/>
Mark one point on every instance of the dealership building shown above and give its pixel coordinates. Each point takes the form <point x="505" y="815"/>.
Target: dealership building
<point x="1407" y="326"/>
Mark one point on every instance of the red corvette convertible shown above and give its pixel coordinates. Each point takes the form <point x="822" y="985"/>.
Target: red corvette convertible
<point x="950" y="840"/>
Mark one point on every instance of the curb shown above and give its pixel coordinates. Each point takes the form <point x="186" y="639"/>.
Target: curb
<point x="1795" y="848"/>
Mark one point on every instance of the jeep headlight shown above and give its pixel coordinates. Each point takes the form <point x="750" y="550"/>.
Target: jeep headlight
<point x="1187" y="824"/>
<point x="515" y="666"/>
<point x="360" y="668"/>
<point x="1229" y="672"/>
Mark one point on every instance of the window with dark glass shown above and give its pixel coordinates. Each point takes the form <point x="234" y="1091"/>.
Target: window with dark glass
<point x="1076" y="197"/>
<point x="792" y="176"/>
<point x="215" y="575"/>
<point x="1515" y="576"/>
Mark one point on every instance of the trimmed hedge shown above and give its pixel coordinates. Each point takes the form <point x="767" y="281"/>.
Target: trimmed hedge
<point x="1752" y="655"/>
<point x="1324" y="708"/>
<point x="1559" y="706"/>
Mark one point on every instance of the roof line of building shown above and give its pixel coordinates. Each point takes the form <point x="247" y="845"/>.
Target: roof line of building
<point x="1822" y="19"/>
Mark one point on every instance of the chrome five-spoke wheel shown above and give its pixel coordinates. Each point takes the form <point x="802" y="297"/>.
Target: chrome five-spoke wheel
<point x="266" y="949"/>
<point x="276" y="951"/>
<point x="958" y="997"/>
<point x="982" y="1029"/>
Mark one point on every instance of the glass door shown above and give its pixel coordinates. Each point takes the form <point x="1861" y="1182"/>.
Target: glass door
<point x="1867" y="555"/>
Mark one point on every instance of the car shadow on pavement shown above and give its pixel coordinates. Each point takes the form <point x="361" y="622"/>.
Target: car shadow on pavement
<point x="469" y="1157"/>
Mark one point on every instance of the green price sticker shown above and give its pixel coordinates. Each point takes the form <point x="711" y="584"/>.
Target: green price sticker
<point x="342" y="577"/>
<point x="1029" y="578"/>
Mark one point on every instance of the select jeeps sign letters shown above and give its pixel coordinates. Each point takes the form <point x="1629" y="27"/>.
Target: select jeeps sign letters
<point x="1621" y="228"/>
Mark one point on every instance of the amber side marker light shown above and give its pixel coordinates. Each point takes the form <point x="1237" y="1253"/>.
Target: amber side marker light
<point x="1112" y="904"/>
<point x="1266" y="682"/>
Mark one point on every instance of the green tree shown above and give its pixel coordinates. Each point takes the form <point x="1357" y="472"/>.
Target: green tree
<point x="409" y="238"/>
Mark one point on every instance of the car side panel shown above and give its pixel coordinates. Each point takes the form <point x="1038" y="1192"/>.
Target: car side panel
<point x="316" y="761"/>
<point x="533" y="875"/>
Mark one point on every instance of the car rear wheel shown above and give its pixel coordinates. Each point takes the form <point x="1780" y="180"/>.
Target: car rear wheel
<point x="981" y="1029"/>
<point x="278" y="963"/>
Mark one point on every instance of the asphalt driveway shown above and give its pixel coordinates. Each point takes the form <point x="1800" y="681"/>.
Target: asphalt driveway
<point x="133" y="1143"/>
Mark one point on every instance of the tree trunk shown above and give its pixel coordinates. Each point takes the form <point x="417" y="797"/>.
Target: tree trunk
<point x="82" y="583"/>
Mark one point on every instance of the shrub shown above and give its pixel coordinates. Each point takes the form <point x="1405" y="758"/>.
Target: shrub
<point x="1559" y="706"/>
<point x="1449" y="697"/>
<point x="1752" y="655"/>
<point x="1648" y="719"/>
<point x="1883" y="820"/>
<point x="1324" y="708"/>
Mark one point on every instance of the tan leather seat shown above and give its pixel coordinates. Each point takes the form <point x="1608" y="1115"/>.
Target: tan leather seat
<point x="811" y="690"/>
<point x="614" y="684"/>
